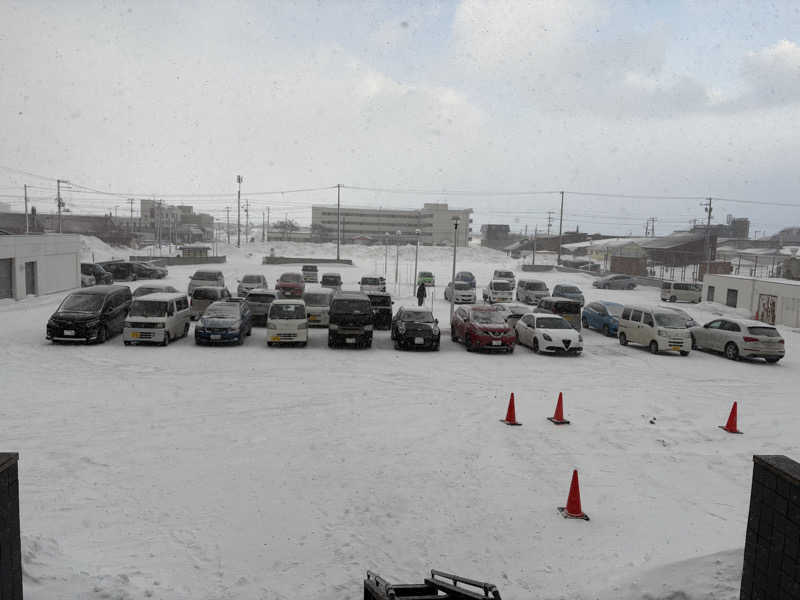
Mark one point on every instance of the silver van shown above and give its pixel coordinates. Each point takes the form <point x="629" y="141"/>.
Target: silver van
<point x="203" y="297"/>
<point x="657" y="328"/>
<point x="205" y="279"/>
<point x="531" y="290"/>
<point x="157" y="318"/>
<point x="678" y="291"/>
<point x="318" y="306"/>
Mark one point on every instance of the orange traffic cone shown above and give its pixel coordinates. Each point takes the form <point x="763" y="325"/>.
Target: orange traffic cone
<point x="511" y="415"/>
<point x="730" y="426"/>
<point x="558" y="417"/>
<point x="573" y="508"/>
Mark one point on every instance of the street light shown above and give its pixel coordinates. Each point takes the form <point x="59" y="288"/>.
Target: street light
<point x="416" y="256"/>
<point x="455" y="244"/>
<point x="386" y="257"/>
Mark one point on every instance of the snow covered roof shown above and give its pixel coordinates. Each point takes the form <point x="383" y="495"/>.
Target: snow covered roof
<point x="606" y="243"/>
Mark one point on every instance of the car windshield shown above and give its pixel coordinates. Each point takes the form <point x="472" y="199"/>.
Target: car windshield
<point x="312" y="299"/>
<point x="88" y="303"/>
<point x="264" y="298"/>
<point x="764" y="331"/>
<point x="356" y="307"/>
<point x="552" y="323"/>
<point x="251" y="279"/>
<point x="670" y="320"/>
<point x="502" y="286"/>
<point x="292" y="277"/>
<point x="425" y="274"/>
<point x="566" y="308"/>
<point x="417" y="316"/>
<point x="615" y="310"/>
<point x="464" y="276"/>
<point x="206" y="276"/>
<point x="148" y="308"/>
<point x="370" y="281"/>
<point x="86" y="269"/>
<point x="206" y="293"/>
<point x="380" y="301"/>
<point x="287" y="311"/>
<point x="488" y="317"/>
<point x="223" y="310"/>
<point x="569" y="289"/>
<point x="309" y="268"/>
<point x="463" y="285"/>
<point x="505" y="274"/>
<point x="331" y="279"/>
<point x="537" y="286"/>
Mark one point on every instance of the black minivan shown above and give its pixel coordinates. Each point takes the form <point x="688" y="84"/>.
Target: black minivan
<point x="350" y="320"/>
<point x="91" y="315"/>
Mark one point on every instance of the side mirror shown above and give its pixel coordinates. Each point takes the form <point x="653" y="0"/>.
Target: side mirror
<point x="706" y="326"/>
<point x="436" y="321"/>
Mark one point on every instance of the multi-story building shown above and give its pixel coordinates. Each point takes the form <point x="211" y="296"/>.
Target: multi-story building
<point x="174" y="223"/>
<point x="434" y="222"/>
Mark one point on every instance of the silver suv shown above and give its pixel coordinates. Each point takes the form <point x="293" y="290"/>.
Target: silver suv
<point x="205" y="279"/>
<point x="531" y="291"/>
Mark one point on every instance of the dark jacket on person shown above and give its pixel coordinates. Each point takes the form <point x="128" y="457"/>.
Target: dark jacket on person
<point x="421" y="291"/>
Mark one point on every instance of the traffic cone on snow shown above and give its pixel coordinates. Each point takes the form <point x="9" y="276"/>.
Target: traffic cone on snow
<point x="558" y="417"/>
<point x="511" y="414"/>
<point x="730" y="426"/>
<point x="573" y="508"/>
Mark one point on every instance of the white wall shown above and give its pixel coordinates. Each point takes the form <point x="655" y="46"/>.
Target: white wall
<point x="787" y="309"/>
<point x="57" y="259"/>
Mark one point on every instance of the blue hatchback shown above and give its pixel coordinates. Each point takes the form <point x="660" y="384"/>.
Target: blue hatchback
<point x="603" y="316"/>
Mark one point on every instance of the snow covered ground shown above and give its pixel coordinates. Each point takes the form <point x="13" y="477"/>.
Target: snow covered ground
<point x="248" y="472"/>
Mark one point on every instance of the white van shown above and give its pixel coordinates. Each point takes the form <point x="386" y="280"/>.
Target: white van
<point x="157" y="318"/>
<point x="505" y="275"/>
<point x="656" y="328"/>
<point x="498" y="290"/>
<point x="677" y="291"/>
<point x="287" y="322"/>
<point x="371" y="283"/>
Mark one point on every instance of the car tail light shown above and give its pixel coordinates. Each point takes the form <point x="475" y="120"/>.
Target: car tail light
<point x="781" y="342"/>
<point x="747" y="338"/>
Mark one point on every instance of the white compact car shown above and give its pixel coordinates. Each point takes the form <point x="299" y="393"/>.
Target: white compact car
<point x="543" y="332"/>
<point x="498" y="290"/>
<point x="461" y="292"/>
<point x="287" y="322"/>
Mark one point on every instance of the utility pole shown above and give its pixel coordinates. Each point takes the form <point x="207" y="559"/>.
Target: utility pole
<point x="707" y="207"/>
<point x="247" y="221"/>
<point x="397" y="261"/>
<point x="263" y="230"/>
<point x="130" y="224"/>
<point x="239" y="212"/>
<point x="533" y="254"/>
<point x="58" y="201"/>
<point x="560" y="229"/>
<point x="549" y="221"/>
<point x="228" y="222"/>
<point x="338" y="217"/>
<point x="386" y="256"/>
<point x="416" y="262"/>
<point x="27" y="225"/>
<point x="453" y="277"/>
<point x="268" y="223"/>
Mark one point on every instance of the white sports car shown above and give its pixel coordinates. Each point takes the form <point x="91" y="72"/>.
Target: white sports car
<point x="548" y="333"/>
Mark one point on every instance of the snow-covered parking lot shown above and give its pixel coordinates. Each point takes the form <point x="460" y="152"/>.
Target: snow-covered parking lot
<point x="255" y="472"/>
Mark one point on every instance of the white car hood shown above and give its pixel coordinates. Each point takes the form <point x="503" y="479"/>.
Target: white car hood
<point x="561" y="334"/>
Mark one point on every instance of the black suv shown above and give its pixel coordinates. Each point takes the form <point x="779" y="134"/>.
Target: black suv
<point x="415" y="328"/>
<point x="91" y="315"/>
<point x="350" y="320"/>
<point x="101" y="276"/>
<point x="381" y="309"/>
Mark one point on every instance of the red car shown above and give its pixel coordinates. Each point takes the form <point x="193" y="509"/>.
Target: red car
<point x="291" y="285"/>
<point x="482" y="327"/>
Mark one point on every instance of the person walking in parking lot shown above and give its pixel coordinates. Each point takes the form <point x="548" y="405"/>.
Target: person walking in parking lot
<point x="421" y="293"/>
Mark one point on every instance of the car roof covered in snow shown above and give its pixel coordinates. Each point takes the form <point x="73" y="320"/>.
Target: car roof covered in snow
<point x="160" y="296"/>
<point x="101" y="289"/>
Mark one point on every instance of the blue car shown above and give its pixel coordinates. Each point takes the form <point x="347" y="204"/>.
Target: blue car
<point x="603" y="316"/>
<point x="224" y="323"/>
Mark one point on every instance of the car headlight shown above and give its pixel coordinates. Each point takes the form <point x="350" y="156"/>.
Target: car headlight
<point x="92" y="323"/>
<point x="333" y="327"/>
<point x="547" y="337"/>
<point x="235" y="326"/>
<point x="401" y="327"/>
<point x="368" y="328"/>
<point x="303" y="325"/>
<point x="435" y="330"/>
<point x="160" y="325"/>
<point x="661" y="333"/>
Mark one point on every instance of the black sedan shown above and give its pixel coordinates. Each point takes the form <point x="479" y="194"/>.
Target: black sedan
<point x="224" y="322"/>
<point x="415" y="328"/>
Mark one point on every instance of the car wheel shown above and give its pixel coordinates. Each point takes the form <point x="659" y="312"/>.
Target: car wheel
<point x="630" y="287"/>
<point x="585" y="322"/>
<point x="396" y="345"/>
<point x="731" y="351"/>
<point x="102" y="335"/>
<point x="303" y="344"/>
<point x="249" y="331"/>
<point x="684" y="353"/>
<point x="127" y="343"/>
<point x="186" y="330"/>
<point x="673" y="299"/>
<point x="536" y="345"/>
<point x="772" y="359"/>
<point x="623" y="339"/>
<point x="468" y="342"/>
<point x="240" y="340"/>
<point x="694" y="343"/>
<point x="653" y="347"/>
<point x="165" y="341"/>
<point x="606" y="330"/>
<point x="511" y="349"/>
<point x="436" y="348"/>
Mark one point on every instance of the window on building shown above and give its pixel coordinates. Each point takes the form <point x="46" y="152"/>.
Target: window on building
<point x="732" y="298"/>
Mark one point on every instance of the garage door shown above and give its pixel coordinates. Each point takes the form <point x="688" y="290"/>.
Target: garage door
<point x="5" y="278"/>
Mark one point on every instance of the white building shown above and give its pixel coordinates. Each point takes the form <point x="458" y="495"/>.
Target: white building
<point x="38" y="264"/>
<point x="774" y="301"/>
<point x="434" y="221"/>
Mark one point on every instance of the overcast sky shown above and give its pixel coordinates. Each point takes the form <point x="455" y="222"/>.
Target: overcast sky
<point x="664" y="98"/>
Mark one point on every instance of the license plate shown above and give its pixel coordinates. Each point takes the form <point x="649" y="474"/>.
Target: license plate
<point x="350" y="340"/>
<point x="135" y="335"/>
<point x="69" y="332"/>
<point x="419" y="340"/>
<point x="216" y="336"/>
<point x="676" y="348"/>
<point x="496" y="343"/>
<point x="312" y="317"/>
<point x="275" y="338"/>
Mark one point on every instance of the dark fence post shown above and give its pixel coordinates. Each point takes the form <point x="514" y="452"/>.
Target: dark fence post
<point x="771" y="568"/>
<point x="10" y="552"/>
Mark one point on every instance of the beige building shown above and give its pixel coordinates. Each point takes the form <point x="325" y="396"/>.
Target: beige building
<point x="36" y="264"/>
<point x="434" y="221"/>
